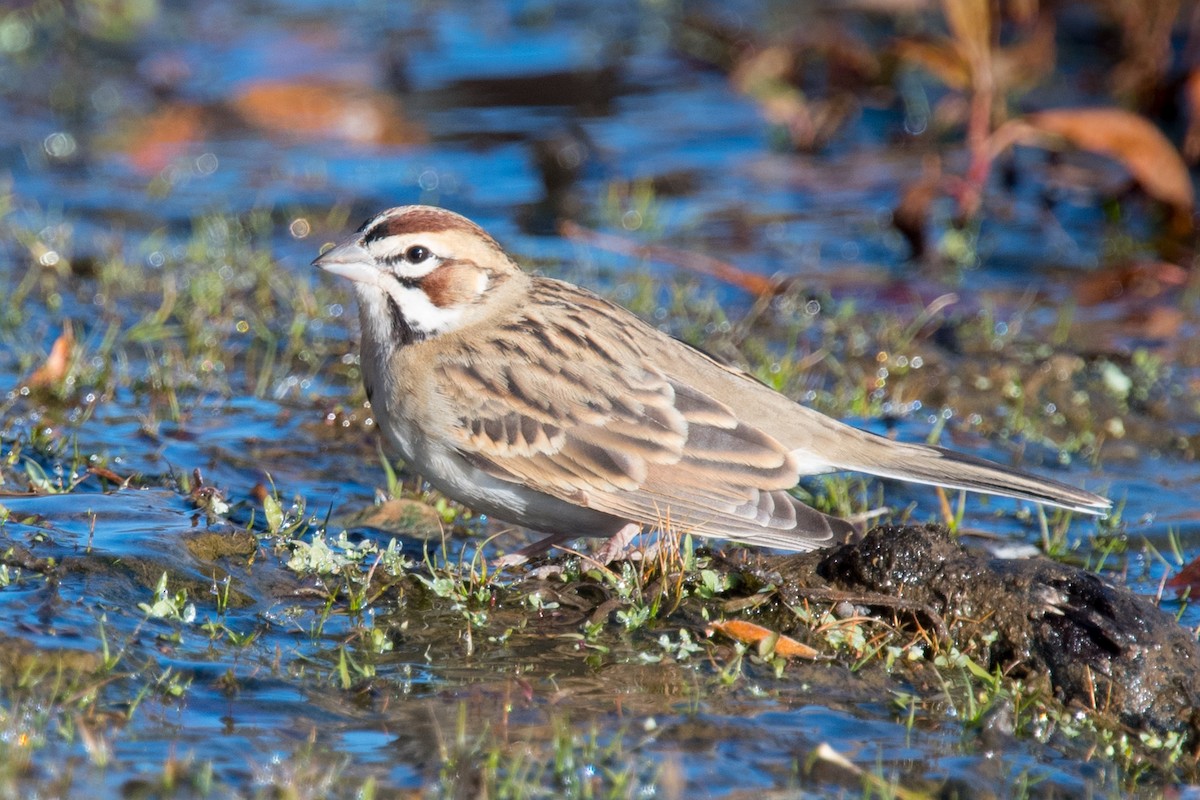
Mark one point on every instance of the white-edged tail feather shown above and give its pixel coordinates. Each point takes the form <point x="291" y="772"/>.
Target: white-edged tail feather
<point x="937" y="466"/>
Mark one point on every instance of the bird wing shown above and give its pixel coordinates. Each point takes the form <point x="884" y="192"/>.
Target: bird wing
<point x="563" y="399"/>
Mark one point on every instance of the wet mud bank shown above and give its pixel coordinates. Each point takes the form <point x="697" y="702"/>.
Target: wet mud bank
<point x="1096" y="645"/>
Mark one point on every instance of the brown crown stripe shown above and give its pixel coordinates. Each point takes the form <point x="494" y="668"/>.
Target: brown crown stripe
<point x="412" y="220"/>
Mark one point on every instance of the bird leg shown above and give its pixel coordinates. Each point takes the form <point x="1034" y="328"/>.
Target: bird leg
<point x="615" y="548"/>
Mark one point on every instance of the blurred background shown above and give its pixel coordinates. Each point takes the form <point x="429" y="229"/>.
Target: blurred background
<point x="686" y="121"/>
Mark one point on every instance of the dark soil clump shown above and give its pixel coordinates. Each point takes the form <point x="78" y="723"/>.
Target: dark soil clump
<point x="1099" y="645"/>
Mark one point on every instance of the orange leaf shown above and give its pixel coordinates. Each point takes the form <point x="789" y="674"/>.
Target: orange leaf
<point x="1123" y="136"/>
<point x="750" y="633"/>
<point x="1187" y="579"/>
<point x="1146" y="279"/>
<point x="699" y="263"/>
<point x="1159" y="322"/>
<point x="321" y="110"/>
<point x="54" y="369"/>
<point x="154" y="141"/>
<point x="107" y="474"/>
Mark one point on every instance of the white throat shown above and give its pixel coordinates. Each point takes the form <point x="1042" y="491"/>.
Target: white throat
<point x="421" y="316"/>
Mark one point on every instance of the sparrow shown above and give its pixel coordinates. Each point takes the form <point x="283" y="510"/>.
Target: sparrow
<point x="537" y="402"/>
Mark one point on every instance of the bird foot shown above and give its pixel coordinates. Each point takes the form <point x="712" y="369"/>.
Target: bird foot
<point x="617" y="547"/>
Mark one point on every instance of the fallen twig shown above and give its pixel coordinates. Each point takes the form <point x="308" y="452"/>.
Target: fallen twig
<point x="699" y="263"/>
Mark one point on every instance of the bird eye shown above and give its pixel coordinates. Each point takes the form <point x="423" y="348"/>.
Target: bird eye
<point x="416" y="254"/>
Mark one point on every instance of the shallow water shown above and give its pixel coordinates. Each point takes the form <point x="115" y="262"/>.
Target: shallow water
<point x="145" y="133"/>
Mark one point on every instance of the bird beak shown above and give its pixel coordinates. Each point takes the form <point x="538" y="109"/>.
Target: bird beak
<point x="349" y="260"/>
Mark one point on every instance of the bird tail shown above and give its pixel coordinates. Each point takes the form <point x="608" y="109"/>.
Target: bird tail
<point x="937" y="466"/>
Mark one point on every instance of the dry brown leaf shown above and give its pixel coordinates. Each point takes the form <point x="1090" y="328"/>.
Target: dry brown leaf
<point x="1152" y="325"/>
<point x="1146" y="29"/>
<point x="104" y="473"/>
<point x="321" y="110"/>
<point x="810" y="125"/>
<point x="1021" y="11"/>
<point x="1191" y="143"/>
<point x="1021" y="65"/>
<point x="752" y="634"/>
<point x="912" y="212"/>
<point x="399" y="516"/>
<point x="939" y="58"/>
<point x="699" y="263"/>
<point x="1159" y="322"/>
<point x="1126" y="137"/>
<point x="52" y="372"/>
<point x="970" y="23"/>
<point x="763" y="71"/>
<point x="766" y="75"/>
<point x="1187" y="579"/>
<point x="158" y="139"/>
<point x="1029" y="60"/>
<point x="851" y="60"/>
<point x="1140" y="280"/>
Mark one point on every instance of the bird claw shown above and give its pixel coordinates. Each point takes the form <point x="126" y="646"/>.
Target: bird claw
<point x="617" y="547"/>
